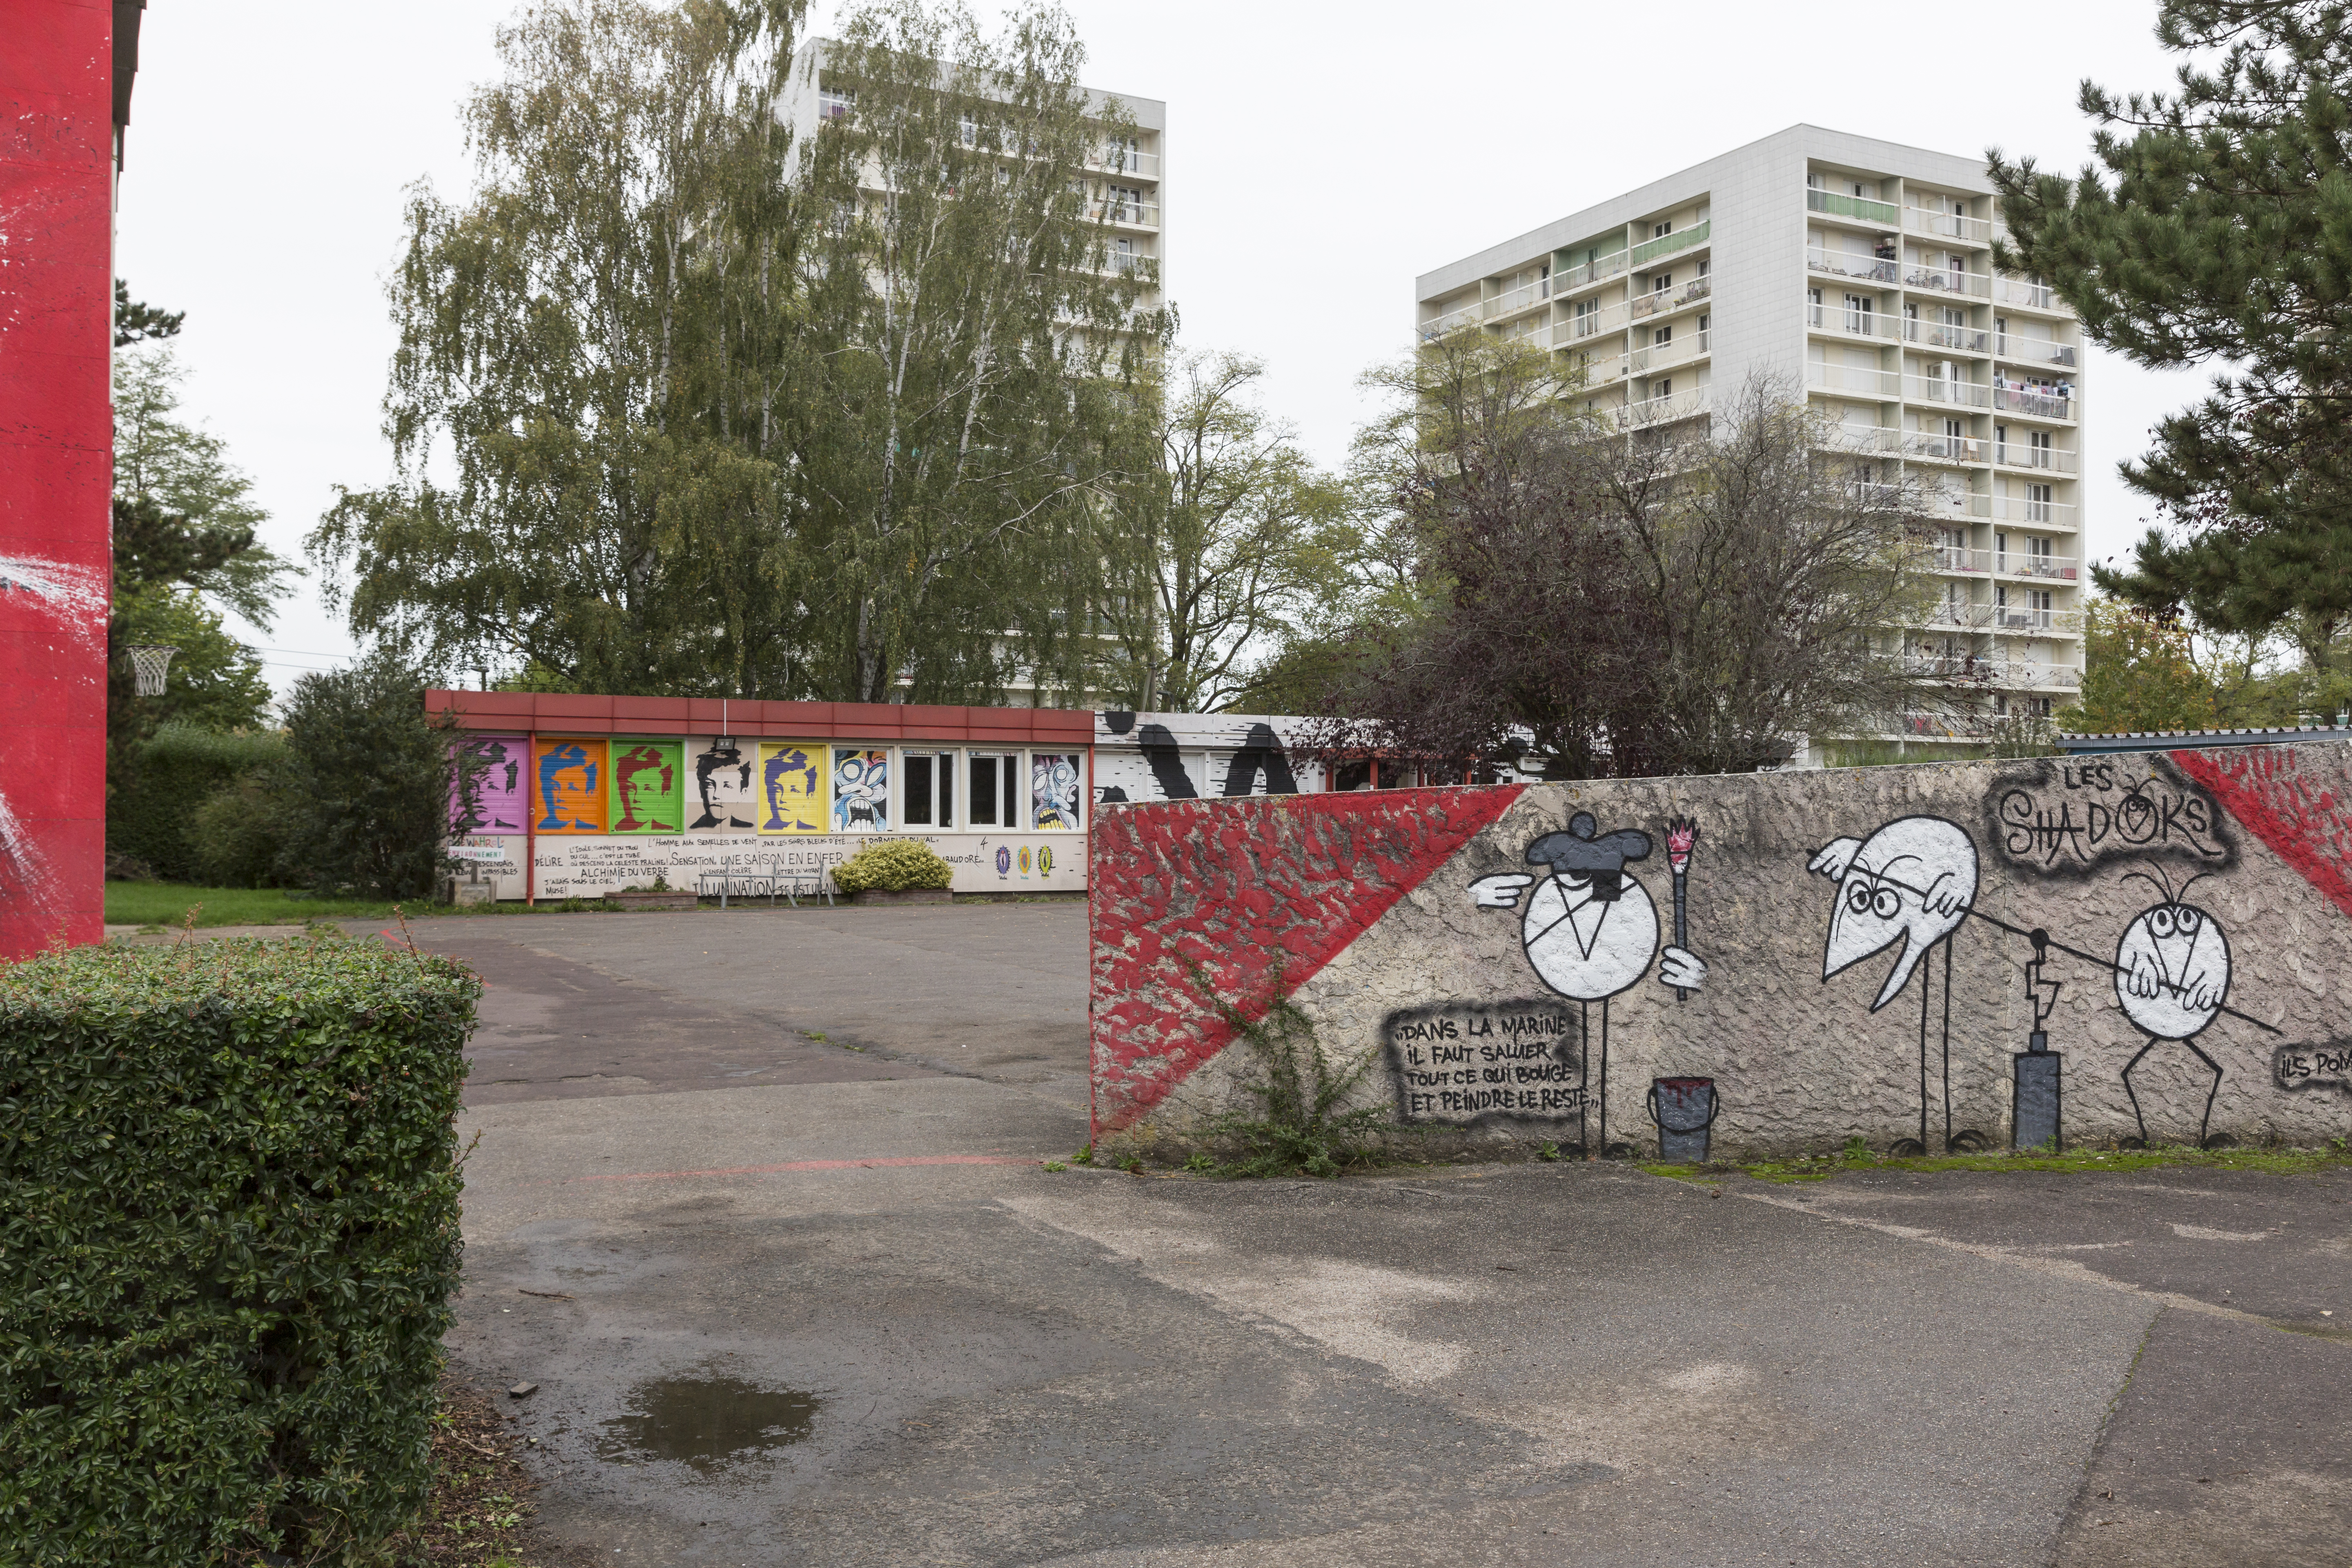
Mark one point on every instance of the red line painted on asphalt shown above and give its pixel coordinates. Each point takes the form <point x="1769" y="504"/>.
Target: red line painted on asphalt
<point x="814" y="1165"/>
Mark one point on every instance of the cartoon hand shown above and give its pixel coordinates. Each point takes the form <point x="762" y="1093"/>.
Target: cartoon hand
<point x="1834" y="858"/>
<point x="1946" y="896"/>
<point x="2142" y="978"/>
<point x="2203" y="995"/>
<point x="1500" y="891"/>
<point x="1679" y="966"/>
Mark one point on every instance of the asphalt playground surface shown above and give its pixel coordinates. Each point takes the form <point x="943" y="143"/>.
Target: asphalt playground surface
<point x="757" y="1204"/>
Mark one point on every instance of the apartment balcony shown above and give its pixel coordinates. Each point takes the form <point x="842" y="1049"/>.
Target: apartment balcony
<point x="2027" y="295"/>
<point x="1654" y="411"/>
<point x="1649" y="250"/>
<point x="1883" y="270"/>
<point x="1938" y="389"/>
<point x="1843" y="322"/>
<point x="2003" y="674"/>
<point x="1513" y="300"/>
<point x="2032" y="351"/>
<point x="1948" y="226"/>
<point x="2055" y="514"/>
<point x="2033" y="402"/>
<point x="1856" y="209"/>
<point x="1125" y="161"/>
<point x="1653" y="357"/>
<point x="2019" y="620"/>
<point x="1598" y="270"/>
<point x="1592" y="326"/>
<point x="1961" y="559"/>
<point x="1927" y="447"/>
<point x="1661" y="302"/>
<point x="1135" y="214"/>
<point x="1880" y="384"/>
<point x="1946" y="280"/>
<point x="1946" y="336"/>
<point x="2046" y="459"/>
<point x="1858" y="439"/>
<point x="1957" y="614"/>
<point x="1954" y="506"/>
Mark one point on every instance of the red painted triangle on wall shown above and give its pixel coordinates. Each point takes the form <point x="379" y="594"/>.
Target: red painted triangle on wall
<point x="1245" y="900"/>
<point x="2286" y="806"/>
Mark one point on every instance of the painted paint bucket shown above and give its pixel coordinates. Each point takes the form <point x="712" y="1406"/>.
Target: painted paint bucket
<point x="1684" y="1109"/>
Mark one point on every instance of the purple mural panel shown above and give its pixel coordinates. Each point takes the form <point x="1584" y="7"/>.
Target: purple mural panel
<point x="495" y="799"/>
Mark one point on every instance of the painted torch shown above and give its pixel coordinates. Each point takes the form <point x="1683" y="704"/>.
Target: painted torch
<point x="1682" y="838"/>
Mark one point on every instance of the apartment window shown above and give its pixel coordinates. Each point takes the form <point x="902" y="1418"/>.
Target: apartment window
<point x="1704" y="322"/>
<point x="1662" y="337"/>
<point x="1813" y="307"/>
<point x="1587" y="310"/>
<point x="1861" y="313"/>
<point x="2037" y="509"/>
<point x="1122" y="153"/>
<point x="834" y="102"/>
<point x="1659" y="230"/>
<point x="1862" y="188"/>
<point x="2038" y="599"/>
<point x="1813" y="179"/>
<point x="1663" y="387"/>
<point x="1661" y="281"/>
<point x="2038" y="450"/>
<point x="992" y="799"/>
<point x="927" y="793"/>
<point x="1704" y="264"/>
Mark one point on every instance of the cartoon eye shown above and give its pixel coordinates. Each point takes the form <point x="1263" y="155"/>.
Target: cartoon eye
<point x="2159" y="921"/>
<point x="852" y="771"/>
<point x="1857" y="897"/>
<point x="2186" y="918"/>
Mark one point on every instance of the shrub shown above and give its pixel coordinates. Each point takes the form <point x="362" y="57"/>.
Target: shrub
<point x="893" y="865"/>
<point x="151" y="817"/>
<point x="238" y="833"/>
<point x="367" y="786"/>
<point x="228" y="1235"/>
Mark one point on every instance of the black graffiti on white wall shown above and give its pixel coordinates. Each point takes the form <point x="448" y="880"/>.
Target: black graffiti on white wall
<point x="1590" y="929"/>
<point x="2070" y="818"/>
<point x="1473" y="1063"/>
<point x="1261" y="755"/>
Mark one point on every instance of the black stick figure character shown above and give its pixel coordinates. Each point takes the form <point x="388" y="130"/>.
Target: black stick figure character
<point x="1912" y="882"/>
<point x="1589" y="928"/>
<point x="2172" y="976"/>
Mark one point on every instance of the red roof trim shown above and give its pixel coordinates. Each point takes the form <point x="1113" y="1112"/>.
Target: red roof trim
<point x="550" y="713"/>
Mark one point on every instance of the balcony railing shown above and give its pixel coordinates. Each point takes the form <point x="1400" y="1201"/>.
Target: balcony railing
<point x="2042" y="513"/>
<point x="2033" y="402"/>
<point x="2018" y="618"/>
<point x="1849" y="378"/>
<point x="1652" y="357"/>
<point x="1518" y="299"/>
<point x="1948" y="505"/>
<point x="1591" y="325"/>
<point x="1125" y="161"/>
<point x="1142" y="215"/>
<point x="1938" y="449"/>
<point x="1828" y="317"/>
<point x="2020" y="350"/>
<point x="1858" y="439"/>
<point x="1660" y="301"/>
<point x="1594" y="271"/>
<point x="2051" y="459"/>
<point x="2023" y="291"/>
<point x="1649" y="250"/>
<point x="1938" y="389"/>
<point x="1841" y="263"/>
<point x="1945" y="335"/>
<point x="1948" y="226"/>
<point x="1663" y="410"/>
<point x="2008" y="674"/>
<point x="2004" y="563"/>
<point x="1960" y="612"/>
<point x="1860" y="208"/>
<point x="1946" y="280"/>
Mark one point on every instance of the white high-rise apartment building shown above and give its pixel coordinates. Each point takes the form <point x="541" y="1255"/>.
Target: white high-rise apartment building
<point x="1122" y="181"/>
<point x="1863" y="270"/>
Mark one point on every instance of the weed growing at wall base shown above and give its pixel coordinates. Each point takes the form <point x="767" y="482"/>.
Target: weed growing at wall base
<point x="1303" y="1125"/>
<point x="1853" y="1159"/>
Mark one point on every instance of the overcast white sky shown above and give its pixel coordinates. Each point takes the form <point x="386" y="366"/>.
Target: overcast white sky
<point x="1321" y="155"/>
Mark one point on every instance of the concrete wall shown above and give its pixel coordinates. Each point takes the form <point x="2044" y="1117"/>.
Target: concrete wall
<point x="2001" y="940"/>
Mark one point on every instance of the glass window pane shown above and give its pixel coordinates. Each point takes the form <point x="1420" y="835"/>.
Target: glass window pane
<point x="1009" y="803"/>
<point x="946" y="817"/>
<point x="919" y="790"/>
<point x="983" y="804"/>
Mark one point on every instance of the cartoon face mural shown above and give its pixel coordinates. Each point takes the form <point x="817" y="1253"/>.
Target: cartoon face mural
<point x="647" y="796"/>
<point x="496" y="798"/>
<point x="2172" y="970"/>
<point x="1588" y="927"/>
<point x="722" y="788"/>
<point x="861" y="790"/>
<point x="1052" y="791"/>
<point x="571" y="792"/>
<point x="1911" y="881"/>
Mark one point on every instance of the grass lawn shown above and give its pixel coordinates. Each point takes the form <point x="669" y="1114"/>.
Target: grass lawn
<point x="168" y="903"/>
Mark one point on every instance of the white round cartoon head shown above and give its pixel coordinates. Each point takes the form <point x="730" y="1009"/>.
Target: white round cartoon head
<point x="1591" y="928"/>
<point x="1911" y="881"/>
<point x="2172" y="970"/>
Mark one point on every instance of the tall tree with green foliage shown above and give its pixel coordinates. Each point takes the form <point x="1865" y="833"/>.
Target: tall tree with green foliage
<point x="584" y="408"/>
<point x="2217" y="229"/>
<point x="969" y="342"/>
<point x="362" y="799"/>
<point x="1218" y="540"/>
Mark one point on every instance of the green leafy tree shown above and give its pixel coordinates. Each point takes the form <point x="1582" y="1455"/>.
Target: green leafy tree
<point x="2143" y="670"/>
<point x="966" y="334"/>
<point x="364" y="796"/>
<point x="1219" y="541"/>
<point x="2216" y="228"/>
<point x="585" y="405"/>
<point x="136" y="322"/>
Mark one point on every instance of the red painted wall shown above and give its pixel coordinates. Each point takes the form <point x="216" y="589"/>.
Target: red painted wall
<point x="56" y="466"/>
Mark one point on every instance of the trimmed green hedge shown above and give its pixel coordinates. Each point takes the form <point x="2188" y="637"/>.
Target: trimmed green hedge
<point x="172" y="772"/>
<point x="895" y="865"/>
<point x="228" y="1235"/>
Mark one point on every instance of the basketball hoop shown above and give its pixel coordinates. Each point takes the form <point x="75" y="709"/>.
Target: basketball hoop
<point x="148" y="662"/>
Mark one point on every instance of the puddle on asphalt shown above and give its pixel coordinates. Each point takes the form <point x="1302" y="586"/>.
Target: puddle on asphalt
<point x="707" y="1422"/>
